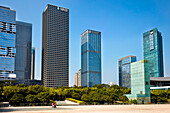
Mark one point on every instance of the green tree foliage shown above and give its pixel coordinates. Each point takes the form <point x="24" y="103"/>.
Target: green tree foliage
<point x="76" y="96"/>
<point x="32" y="98"/>
<point x="158" y="96"/>
<point x="35" y="89"/>
<point x="99" y="94"/>
<point x="86" y="98"/>
<point x="16" y="99"/>
<point x="44" y="97"/>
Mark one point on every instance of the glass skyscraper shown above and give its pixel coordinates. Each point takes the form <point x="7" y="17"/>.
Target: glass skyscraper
<point x="153" y="51"/>
<point x="90" y="58"/>
<point x="140" y="82"/>
<point x="33" y="63"/>
<point x="55" y="46"/>
<point x="124" y="71"/>
<point x="7" y="43"/>
<point x="23" y="50"/>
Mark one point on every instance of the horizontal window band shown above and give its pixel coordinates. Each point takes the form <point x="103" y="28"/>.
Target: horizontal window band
<point x="91" y="51"/>
<point x="90" y="72"/>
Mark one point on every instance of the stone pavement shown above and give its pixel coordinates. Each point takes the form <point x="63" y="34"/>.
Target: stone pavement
<point x="161" y="108"/>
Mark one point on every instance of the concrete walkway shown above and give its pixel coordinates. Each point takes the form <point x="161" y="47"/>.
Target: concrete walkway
<point x="162" y="108"/>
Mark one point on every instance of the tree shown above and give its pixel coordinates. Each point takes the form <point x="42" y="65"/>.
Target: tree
<point x="123" y="98"/>
<point x="35" y="89"/>
<point x="59" y="92"/>
<point x="85" y="98"/>
<point x="31" y="98"/>
<point x="104" y="98"/>
<point x="76" y="96"/>
<point x="44" y="97"/>
<point x="95" y="97"/>
<point x="99" y="86"/>
<point x="16" y="99"/>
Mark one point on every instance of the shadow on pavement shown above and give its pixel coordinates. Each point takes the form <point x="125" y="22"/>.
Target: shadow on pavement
<point x="30" y="109"/>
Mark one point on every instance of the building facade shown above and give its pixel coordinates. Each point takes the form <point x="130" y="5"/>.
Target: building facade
<point x="7" y="43"/>
<point x="33" y="64"/>
<point x="23" y="50"/>
<point x="78" y="78"/>
<point x="90" y="58"/>
<point x="158" y="83"/>
<point x="153" y="51"/>
<point x="55" y="46"/>
<point x="140" y="82"/>
<point x="28" y="82"/>
<point x="124" y="71"/>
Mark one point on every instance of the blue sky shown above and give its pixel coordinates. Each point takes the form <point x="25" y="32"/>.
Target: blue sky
<point x="121" y="23"/>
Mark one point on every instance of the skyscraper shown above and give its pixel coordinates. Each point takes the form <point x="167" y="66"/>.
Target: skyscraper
<point x="90" y="58"/>
<point x="7" y="43"/>
<point x="23" y="50"/>
<point x="78" y="78"/>
<point x="55" y="46"/>
<point x="124" y="71"/>
<point x="153" y="51"/>
<point x="33" y="64"/>
<point x="140" y="82"/>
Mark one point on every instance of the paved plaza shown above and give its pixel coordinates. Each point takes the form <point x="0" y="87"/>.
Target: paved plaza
<point x="163" y="108"/>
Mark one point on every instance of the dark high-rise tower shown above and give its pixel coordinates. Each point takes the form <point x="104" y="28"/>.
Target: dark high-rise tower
<point x="55" y="46"/>
<point x="23" y="50"/>
<point x="153" y="51"/>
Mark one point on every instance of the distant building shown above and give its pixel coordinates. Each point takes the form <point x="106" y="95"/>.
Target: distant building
<point x="90" y="58"/>
<point x="153" y="51"/>
<point x="159" y="83"/>
<point x="140" y="82"/>
<point x="28" y="82"/>
<point x="7" y="43"/>
<point x="33" y="64"/>
<point x="23" y="50"/>
<point x="111" y="83"/>
<point x="55" y="46"/>
<point x="78" y="78"/>
<point x="124" y="71"/>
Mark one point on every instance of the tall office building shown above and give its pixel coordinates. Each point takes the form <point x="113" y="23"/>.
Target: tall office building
<point x="55" y="46"/>
<point x="7" y="43"/>
<point x="23" y="50"/>
<point x="153" y="51"/>
<point x="140" y="82"/>
<point x="90" y="58"/>
<point x="78" y="78"/>
<point x="124" y="71"/>
<point x="32" y="63"/>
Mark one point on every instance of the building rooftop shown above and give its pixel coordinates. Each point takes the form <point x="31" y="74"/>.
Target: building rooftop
<point x="4" y="7"/>
<point x="90" y="31"/>
<point x="58" y="8"/>
<point x="127" y="57"/>
<point x="160" y="79"/>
